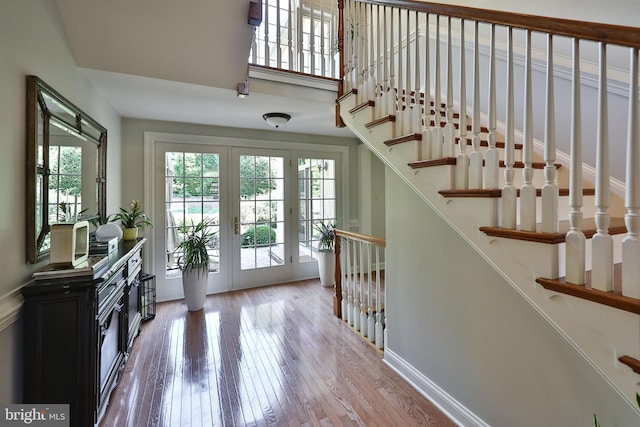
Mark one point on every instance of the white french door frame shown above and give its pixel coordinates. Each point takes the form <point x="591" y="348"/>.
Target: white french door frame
<point x="151" y="139"/>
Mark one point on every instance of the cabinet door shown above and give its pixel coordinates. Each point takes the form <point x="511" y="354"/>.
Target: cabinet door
<point x="60" y="352"/>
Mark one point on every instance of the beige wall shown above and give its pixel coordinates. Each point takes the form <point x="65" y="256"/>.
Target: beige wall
<point x="457" y="322"/>
<point x="33" y="42"/>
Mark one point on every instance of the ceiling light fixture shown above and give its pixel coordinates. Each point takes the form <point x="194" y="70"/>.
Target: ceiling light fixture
<point x="276" y="119"/>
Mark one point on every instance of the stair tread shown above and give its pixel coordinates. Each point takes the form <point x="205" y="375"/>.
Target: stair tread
<point x="497" y="192"/>
<point x="588" y="228"/>
<point x="452" y="161"/>
<point x="613" y="298"/>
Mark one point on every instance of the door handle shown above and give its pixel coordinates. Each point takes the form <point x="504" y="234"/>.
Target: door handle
<point x="236" y="225"/>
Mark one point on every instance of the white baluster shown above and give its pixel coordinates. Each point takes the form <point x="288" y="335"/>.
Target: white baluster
<point x="400" y="82"/>
<point x="437" y="142"/>
<point x="290" y="40"/>
<point x="509" y="193"/>
<point x="550" y="187"/>
<point x="379" y="325"/>
<point x="631" y="243"/>
<point x="355" y="307"/>
<point x="427" y="145"/>
<point x="575" y="240"/>
<point x="379" y="67"/>
<point x="491" y="157"/>
<point x="527" y="191"/>
<point x="350" y="251"/>
<point x="449" y="73"/>
<point x="426" y="119"/>
<point x="267" y="48"/>
<point x="475" y="158"/>
<point x="393" y="94"/>
<point x="437" y="102"/>
<point x="462" y="159"/>
<point x="278" y="36"/>
<point x="384" y="98"/>
<point x="416" y="118"/>
<point x="408" y="110"/>
<point x="364" y="279"/>
<point x="312" y="39"/>
<point x="371" y="322"/>
<point x="346" y="295"/>
<point x="602" y="242"/>
<point x="449" y="135"/>
<point x="323" y="58"/>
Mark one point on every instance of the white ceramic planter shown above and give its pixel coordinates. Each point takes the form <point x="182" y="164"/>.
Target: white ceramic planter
<point x="194" y="284"/>
<point x="326" y="267"/>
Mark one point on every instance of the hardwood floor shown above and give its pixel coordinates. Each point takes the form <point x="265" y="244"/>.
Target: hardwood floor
<point x="269" y="356"/>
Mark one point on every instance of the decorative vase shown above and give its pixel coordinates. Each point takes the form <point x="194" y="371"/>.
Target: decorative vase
<point x="108" y="231"/>
<point x="194" y="285"/>
<point x="130" y="233"/>
<point x="326" y="267"/>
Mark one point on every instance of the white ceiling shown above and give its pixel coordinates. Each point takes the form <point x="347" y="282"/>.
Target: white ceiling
<point x="182" y="61"/>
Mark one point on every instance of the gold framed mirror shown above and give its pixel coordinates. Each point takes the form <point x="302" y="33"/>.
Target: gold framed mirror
<point x="66" y="166"/>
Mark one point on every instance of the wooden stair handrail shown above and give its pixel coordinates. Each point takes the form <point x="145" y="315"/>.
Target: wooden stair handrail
<point x="337" y="295"/>
<point x="366" y="238"/>
<point x="594" y="31"/>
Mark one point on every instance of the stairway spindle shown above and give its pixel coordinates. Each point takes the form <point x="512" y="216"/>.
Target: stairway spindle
<point x="267" y="49"/>
<point x="509" y="194"/>
<point x="575" y="239"/>
<point x="379" y="335"/>
<point x="357" y="282"/>
<point x="323" y="60"/>
<point x="462" y="159"/>
<point x="370" y="315"/>
<point x="426" y="118"/>
<point x="491" y="157"/>
<point x="379" y="67"/>
<point x="408" y="109"/>
<point x="417" y="109"/>
<point x="400" y="82"/>
<point x="393" y="93"/>
<point x="371" y="82"/>
<point x="631" y="242"/>
<point x="350" y="282"/>
<point x="437" y="137"/>
<point x="437" y="102"/>
<point x="602" y="242"/>
<point x="363" y="280"/>
<point x="550" y="192"/>
<point x="279" y="37"/>
<point x="312" y="39"/>
<point x="527" y="191"/>
<point x="290" y="41"/>
<point x="475" y="158"/>
<point x="362" y="69"/>
<point x="449" y="72"/>
<point x="386" y="87"/>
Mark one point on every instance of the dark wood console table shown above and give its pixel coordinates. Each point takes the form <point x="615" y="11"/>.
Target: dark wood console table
<point x="78" y="332"/>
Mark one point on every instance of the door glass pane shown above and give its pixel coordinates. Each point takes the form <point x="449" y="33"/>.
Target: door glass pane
<point x="261" y="211"/>
<point x="191" y="195"/>
<point x="317" y="202"/>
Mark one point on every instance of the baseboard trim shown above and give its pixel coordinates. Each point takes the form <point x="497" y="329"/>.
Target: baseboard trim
<point x="446" y="403"/>
<point x="10" y="308"/>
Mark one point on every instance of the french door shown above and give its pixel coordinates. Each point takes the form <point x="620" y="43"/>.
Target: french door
<point x="263" y="204"/>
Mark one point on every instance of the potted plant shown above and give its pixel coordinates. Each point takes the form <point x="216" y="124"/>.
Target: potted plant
<point x="131" y="220"/>
<point x="326" y="258"/>
<point x="193" y="261"/>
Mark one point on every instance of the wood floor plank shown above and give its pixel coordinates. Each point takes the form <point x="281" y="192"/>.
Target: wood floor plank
<point x="271" y="356"/>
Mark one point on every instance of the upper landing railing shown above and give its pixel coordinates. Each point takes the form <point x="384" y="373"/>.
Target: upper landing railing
<point x="398" y="56"/>
<point x="299" y="36"/>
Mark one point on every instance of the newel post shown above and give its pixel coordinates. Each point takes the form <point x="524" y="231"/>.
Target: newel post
<point x="337" y="296"/>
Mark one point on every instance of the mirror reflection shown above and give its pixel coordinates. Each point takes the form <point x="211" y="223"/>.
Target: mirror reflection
<point x="66" y="166"/>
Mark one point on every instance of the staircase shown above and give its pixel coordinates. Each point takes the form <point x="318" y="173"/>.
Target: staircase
<point x="562" y="237"/>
